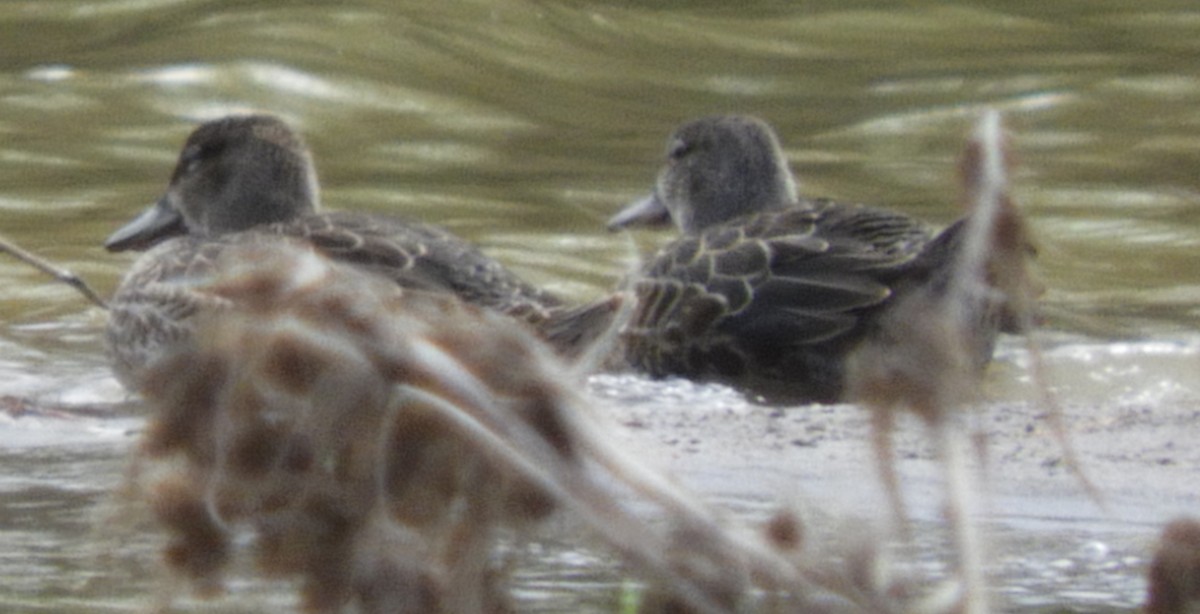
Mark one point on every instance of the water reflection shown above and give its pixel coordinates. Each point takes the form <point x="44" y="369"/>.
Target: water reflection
<point x="523" y="124"/>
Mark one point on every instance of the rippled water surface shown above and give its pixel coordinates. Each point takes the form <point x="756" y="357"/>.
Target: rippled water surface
<point x="523" y="124"/>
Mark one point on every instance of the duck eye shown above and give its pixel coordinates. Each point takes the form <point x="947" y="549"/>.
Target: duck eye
<point x="678" y="149"/>
<point x="194" y="155"/>
<point x="190" y="159"/>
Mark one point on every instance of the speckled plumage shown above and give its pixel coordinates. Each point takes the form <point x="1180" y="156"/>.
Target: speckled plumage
<point x="767" y="291"/>
<point x="250" y="179"/>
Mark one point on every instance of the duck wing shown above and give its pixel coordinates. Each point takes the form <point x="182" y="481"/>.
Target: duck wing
<point x="420" y="256"/>
<point x="772" y="298"/>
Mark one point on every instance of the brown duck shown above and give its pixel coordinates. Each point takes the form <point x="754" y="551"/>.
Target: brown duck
<point x="251" y="179"/>
<point x="767" y="291"/>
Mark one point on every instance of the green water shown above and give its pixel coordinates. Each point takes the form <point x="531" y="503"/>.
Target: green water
<point x="523" y="124"/>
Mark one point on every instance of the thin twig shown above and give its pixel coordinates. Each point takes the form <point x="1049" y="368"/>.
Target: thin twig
<point x="1018" y="285"/>
<point x="52" y="270"/>
<point x="1056" y="419"/>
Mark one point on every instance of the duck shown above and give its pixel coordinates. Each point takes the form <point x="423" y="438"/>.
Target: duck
<point x="765" y="290"/>
<point x="251" y="179"/>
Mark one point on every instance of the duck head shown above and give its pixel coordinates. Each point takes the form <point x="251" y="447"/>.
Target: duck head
<point x="717" y="169"/>
<point x="233" y="174"/>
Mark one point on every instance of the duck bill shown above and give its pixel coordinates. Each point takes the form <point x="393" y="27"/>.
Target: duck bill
<point x="648" y="212"/>
<point x="158" y="222"/>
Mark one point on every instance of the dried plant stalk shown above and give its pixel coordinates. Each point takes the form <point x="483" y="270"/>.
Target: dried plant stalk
<point x="53" y="270"/>
<point x="922" y="359"/>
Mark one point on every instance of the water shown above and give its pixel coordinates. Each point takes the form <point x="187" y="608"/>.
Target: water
<point x="522" y="125"/>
